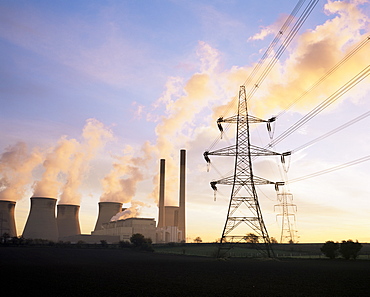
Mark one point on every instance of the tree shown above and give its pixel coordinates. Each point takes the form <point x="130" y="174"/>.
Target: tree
<point x="330" y="249"/>
<point x="349" y="249"/>
<point x="104" y="243"/>
<point x="251" y="238"/>
<point x="141" y="243"/>
<point x="4" y="238"/>
<point x="273" y="240"/>
<point x="198" y="240"/>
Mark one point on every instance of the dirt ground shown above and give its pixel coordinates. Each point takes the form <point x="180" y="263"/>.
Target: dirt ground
<point x="50" y="271"/>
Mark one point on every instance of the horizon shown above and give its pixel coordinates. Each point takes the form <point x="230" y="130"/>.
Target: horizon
<point x="95" y="93"/>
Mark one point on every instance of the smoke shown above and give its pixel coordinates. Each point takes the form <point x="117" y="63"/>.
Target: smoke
<point x="16" y="166"/>
<point x="121" y="182"/>
<point x="184" y="103"/>
<point x="131" y="212"/>
<point x="67" y="163"/>
<point x="57" y="162"/>
<point x="95" y="136"/>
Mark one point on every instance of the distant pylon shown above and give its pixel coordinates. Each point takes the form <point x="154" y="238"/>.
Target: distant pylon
<point x="243" y="197"/>
<point x="287" y="217"/>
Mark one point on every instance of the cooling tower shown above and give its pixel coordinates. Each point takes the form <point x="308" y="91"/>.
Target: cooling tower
<point x="67" y="220"/>
<point x="7" y="222"/>
<point x="106" y="211"/>
<point x="41" y="222"/>
<point x="182" y="194"/>
<point x="161" y="214"/>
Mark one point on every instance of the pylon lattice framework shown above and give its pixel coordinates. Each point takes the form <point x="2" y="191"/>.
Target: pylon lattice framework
<point x="285" y="203"/>
<point x="243" y="197"/>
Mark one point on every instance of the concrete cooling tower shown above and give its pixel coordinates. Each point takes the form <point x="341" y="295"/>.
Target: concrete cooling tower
<point x="106" y="211"/>
<point x="67" y="220"/>
<point x="41" y="222"/>
<point x="7" y="222"/>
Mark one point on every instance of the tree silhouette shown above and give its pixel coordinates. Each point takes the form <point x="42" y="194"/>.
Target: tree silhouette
<point x="251" y="238"/>
<point x="198" y="240"/>
<point x="141" y="243"/>
<point x="349" y="249"/>
<point x="330" y="249"/>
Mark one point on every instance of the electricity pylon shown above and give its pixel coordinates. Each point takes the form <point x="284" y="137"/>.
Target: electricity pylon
<point x="243" y="197"/>
<point x="285" y="203"/>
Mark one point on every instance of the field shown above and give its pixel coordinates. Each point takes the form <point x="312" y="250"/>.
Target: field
<point x="52" y="271"/>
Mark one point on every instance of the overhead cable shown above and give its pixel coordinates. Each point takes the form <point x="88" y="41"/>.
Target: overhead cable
<point x="331" y="99"/>
<point x="351" y="163"/>
<point x="353" y="121"/>
<point x="327" y="74"/>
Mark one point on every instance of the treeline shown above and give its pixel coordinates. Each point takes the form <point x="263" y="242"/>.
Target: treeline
<point x="137" y="242"/>
<point x="347" y="249"/>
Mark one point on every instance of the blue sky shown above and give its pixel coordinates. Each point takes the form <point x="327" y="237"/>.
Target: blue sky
<point x="153" y="76"/>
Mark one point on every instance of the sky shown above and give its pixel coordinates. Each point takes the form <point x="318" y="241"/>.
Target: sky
<point x="94" y="93"/>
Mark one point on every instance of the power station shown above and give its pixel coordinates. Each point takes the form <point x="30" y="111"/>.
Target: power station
<point x="7" y="222"/>
<point x="171" y="219"/>
<point x="42" y="223"/>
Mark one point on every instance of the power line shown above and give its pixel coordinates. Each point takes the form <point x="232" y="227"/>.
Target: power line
<point x="353" y="121"/>
<point x="335" y="168"/>
<point x="327" y="74"/>
<point x="331" y="99"/>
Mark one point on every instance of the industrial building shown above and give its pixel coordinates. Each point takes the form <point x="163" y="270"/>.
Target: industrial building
<point x="171" y="219"/>
<point x="124" y="229"/>
<point x="42" y="223"/>
<point x="7" y="222"/>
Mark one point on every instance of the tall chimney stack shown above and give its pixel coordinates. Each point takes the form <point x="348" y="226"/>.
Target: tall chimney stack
<point x="106" y="211"/>
<point x="182" y="224"/>
<point x="7" y="222"/>
<point x="41" y="222"/>
<point x="161" y="214"/>
<point x="67" y="220"/>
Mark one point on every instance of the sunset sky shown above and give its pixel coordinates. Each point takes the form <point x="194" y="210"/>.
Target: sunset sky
<point x="94" y="93"/>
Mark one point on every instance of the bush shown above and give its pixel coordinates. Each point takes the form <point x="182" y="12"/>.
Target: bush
<point x="124" y="244"/>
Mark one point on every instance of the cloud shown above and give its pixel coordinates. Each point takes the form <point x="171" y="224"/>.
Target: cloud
<point x="315" y="52"/>
<point x="269" y="30"/>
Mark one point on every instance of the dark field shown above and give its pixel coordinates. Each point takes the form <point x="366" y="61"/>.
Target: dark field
<point x="50" y="271"/>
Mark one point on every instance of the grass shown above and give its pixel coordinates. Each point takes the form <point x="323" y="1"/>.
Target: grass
<point x="50" y="271"/>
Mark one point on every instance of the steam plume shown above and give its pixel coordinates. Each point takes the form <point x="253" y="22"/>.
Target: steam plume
<point x="95" y="136"/>
<point x="120" y="184"/>
<point x="57" y="161"/>
<point x="131" y="212"/>
<point x="16" y="166"/>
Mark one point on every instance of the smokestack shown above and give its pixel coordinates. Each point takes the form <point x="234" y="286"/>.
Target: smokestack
<point x="67" y="220"/>
<point x="106" y="211"/>
<point x="161" y="214"/>
<point x="7" y="222"/>
<point x="182" y="194"/>
<point x="41" y="222"/>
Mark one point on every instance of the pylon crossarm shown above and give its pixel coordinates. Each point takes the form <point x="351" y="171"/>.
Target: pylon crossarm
<point x="255" y="151"/>
<point x="242" y="119"/>
<point x="242" y="181"/>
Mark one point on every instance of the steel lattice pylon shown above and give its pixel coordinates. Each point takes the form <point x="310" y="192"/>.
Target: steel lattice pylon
<point x="244" y="212"/>
<point x="285" y="203"/>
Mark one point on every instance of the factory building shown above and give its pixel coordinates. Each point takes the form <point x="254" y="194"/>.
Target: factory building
<point x="42" y="223"/>
<point x="67" y="220"/>
<point x="124" y="229"/>
<point x="7" y="222"/>
<point x="171" y="219"/>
